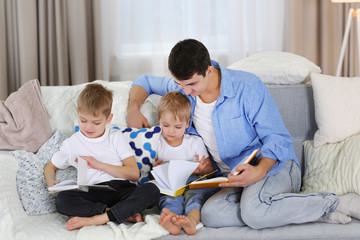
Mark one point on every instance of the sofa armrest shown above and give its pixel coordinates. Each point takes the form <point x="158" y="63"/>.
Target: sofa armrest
<point x="10" y="205"/>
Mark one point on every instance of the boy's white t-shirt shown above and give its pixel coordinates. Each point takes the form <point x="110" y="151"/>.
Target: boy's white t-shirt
<point x="203" y="125"/>
<point x="190" y="146"/>
<point x="110" y="148"/>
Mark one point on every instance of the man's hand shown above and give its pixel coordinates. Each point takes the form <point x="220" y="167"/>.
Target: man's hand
<point x="136" y="119"/>
<point x="249" y="174"/>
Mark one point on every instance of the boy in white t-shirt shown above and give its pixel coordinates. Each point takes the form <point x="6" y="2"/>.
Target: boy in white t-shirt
<point x="174" y="113"/>
<point x="110" y="161"/>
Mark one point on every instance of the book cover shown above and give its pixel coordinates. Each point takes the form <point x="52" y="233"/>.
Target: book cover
<point x="214" y="182"/>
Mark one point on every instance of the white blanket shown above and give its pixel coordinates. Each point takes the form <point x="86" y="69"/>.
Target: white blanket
<point x="15" y="224"/>
<point x="147" y="230"/>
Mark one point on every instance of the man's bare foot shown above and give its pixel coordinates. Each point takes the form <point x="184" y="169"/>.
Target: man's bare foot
<point x="137" y="217"/>
<point x="79" y="222"/>
<point x="186" y="223"/>
<point x="166" y="221"/>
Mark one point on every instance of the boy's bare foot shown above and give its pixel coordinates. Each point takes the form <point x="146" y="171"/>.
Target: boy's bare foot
<point x="186" y="223"/>
<point x="79" y="222"/>
<point x="137" y="217"/>
<point x="166" y="221"/>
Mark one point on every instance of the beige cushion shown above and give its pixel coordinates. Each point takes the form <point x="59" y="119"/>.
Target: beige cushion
<point x="337" y="108"/>
<point x="332" y="167"/>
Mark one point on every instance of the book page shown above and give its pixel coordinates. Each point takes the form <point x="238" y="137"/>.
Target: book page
<point x="64" y="185"/>
<point x="82" y="171"/>
<point x="161" y="175"/>
<point x="171" y="176"/>
<point x="179" y="172"/>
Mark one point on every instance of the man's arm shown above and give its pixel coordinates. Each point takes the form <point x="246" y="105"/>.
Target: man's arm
<point x="137" y="97"/>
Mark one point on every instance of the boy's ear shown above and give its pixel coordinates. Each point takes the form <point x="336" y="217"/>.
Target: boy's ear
<point x="109" y="118"/>
<point x="188" y="124"/>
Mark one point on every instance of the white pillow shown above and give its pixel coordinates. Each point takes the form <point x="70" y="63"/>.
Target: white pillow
<point x="337" y="108"/>
<point x="61" y="103"/>
<point x="277" y="67"/>
<point x="333" y="167"/>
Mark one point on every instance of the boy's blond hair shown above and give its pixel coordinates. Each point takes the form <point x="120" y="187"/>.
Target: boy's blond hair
<point x="95" y="99"/>
<point x="176" y="103"/>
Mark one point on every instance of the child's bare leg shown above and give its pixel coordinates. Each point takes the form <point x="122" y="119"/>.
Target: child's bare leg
<point x="79" y="222"/>
<point x="137" y="217"/>
<point x="167" y="222"/>
<point x="189" y="222"/>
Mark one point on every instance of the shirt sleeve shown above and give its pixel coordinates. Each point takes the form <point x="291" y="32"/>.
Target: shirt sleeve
<point x="271" y="130"/>
<point x="200" y="147"/>
<point x="61" y="158"/>
<point x="156" y="85"/>
<point x="122" y="146"/>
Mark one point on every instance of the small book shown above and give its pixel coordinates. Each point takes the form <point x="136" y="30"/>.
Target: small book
<point x="80" y="184"/>
<point x="214" y="182"/>
<point x="171" y="177"/>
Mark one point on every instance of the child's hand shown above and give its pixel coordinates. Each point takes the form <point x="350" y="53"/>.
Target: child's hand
<point x="52" y="183"/>
<point x="91" y="162"/>
<point x="203" y="163"/>
<point x="157" y="163"/>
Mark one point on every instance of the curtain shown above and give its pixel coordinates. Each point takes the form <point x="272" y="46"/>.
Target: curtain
<point x="143" y="32"/>
<point x="58" y="42"/>
<point x="315" y="29"/>
<point x="69" y="42"/>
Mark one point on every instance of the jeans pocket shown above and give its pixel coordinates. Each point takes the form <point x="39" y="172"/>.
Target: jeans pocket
<point x="295" y="175"/>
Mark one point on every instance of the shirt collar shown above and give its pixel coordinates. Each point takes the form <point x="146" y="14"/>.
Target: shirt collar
<point x="227" y="88"/>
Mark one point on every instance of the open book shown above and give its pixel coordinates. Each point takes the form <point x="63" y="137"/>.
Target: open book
<point x="171" y="177"/>
<point x="214" y="182"/>
<point x="80" y="184"/>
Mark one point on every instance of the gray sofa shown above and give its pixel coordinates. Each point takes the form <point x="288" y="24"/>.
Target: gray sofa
<point x="296" y="106"/>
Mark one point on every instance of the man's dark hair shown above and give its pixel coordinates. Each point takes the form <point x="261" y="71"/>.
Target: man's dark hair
<point x="188" y="57"/>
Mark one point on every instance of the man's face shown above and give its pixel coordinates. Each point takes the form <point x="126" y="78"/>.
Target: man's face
<point x="195" y="85"/>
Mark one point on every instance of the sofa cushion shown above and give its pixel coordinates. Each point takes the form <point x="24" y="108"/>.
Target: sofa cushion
<point x="332" y="167"/>
<point x="30" y="182"/>
<point x="337" y="108"/>
<point x="277" y="67"/>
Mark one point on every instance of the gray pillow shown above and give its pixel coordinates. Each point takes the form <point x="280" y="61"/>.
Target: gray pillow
<point x="30" y="180"/>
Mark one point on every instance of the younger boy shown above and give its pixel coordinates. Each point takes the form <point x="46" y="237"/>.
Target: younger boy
<point x="174" y="112"/>
<point x="110" y="161"/>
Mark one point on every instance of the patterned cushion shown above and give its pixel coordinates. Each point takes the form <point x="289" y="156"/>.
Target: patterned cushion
<point x="30" y="180"/>
<point x="144" y="142"/>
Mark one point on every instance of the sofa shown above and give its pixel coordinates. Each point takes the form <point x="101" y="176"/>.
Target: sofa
<point x="27" y="210"/>
<point x="296" y="105"/>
